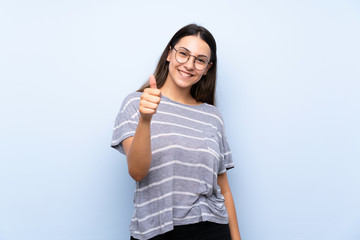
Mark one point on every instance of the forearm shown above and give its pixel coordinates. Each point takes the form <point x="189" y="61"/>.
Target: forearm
<point x="233" y="223"/>
<point x="230" y="206"/>
<point x="139" y="153"/>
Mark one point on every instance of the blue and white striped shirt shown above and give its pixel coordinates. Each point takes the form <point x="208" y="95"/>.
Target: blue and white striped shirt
<point x="189" y="150"/>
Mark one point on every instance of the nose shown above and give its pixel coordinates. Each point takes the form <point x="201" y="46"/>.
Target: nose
<point x="190" y="64"/>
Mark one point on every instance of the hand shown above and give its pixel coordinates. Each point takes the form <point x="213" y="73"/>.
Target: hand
<point x="149" y="100"/>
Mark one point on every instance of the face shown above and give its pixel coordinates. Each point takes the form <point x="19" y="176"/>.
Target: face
<point x="184" y="75"/>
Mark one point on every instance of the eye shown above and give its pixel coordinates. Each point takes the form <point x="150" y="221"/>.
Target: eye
<point x="202" y="60"/>
<point x="183" y="53"/>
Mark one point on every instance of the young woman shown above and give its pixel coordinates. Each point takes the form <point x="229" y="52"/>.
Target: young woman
<point x="174" y="140"/>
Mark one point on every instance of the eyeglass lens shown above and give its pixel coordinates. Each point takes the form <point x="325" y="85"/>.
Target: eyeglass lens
<point x="182" y="56"/>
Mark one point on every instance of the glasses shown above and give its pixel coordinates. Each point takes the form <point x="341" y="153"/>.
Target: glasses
<point x="182" y="56"/>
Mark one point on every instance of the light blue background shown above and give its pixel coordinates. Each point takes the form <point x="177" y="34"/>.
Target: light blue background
<point x="288" y="89"/>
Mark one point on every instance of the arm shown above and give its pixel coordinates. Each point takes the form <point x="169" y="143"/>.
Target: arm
<point x="138" y="151"/>
<point x="138" y="147"/>
<point x="230" y="206"/>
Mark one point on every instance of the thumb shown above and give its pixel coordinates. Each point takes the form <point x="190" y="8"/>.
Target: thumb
<point x="152" y="81"/>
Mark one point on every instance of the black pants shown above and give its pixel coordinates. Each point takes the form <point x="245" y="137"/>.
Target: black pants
<point x="197" y="231"/>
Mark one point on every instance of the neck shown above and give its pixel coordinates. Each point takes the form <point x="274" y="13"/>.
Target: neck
<point x="181" y="95"/>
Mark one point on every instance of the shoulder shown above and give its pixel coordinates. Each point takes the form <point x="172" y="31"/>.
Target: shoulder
<point x="133" y="95"/>
<point x="130" y="101"/>
<point x="213" y="111"/>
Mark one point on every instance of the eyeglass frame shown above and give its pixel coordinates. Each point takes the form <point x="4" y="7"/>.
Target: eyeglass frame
<point x="195" y="58"/>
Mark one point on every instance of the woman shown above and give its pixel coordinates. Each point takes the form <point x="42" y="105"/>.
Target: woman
<point x="174" y="141"/>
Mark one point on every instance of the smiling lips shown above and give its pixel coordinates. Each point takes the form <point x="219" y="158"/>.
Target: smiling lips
<point x="185" y="74"/>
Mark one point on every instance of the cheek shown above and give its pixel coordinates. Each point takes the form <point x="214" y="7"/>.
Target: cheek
<point x="173" y="63"/>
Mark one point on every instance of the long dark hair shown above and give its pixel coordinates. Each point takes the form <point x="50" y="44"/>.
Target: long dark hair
<point x="203" y="90"/>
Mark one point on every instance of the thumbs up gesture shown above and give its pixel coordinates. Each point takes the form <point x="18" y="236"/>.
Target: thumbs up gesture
<point x="149" y="100"/>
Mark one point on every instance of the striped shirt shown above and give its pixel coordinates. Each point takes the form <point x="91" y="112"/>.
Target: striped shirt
<point x="189" y="149"/>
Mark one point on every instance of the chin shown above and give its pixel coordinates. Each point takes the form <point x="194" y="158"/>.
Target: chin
<point x="185" y="84"/>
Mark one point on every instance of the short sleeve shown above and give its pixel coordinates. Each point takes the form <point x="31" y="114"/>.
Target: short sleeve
<point x="226" y="157"/>
<point x="126" y="121"/>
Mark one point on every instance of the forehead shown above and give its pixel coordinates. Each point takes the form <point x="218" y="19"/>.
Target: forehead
<point x="195" y="45"/>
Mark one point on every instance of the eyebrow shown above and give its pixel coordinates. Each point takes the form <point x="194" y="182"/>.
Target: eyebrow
<point x="197" y="55"/>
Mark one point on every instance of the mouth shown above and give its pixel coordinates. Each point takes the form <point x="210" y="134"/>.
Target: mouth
<point x="185" y="74"/>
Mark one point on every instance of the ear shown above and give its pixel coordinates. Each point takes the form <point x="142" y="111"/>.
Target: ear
<point x="207" y="68"/>
<point x="169" y="53"/>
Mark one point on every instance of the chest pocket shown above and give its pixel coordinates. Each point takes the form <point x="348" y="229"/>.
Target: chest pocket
<point x="213" y="144"/>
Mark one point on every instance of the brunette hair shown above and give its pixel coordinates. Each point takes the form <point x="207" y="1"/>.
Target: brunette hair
<point x="203" y="90"/>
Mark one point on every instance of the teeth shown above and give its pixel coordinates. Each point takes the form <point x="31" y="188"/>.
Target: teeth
<point x="184" y="74"/>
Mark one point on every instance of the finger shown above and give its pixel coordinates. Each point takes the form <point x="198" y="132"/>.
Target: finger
<point x="147" y="111"/>
<point x="149" y="105"/>
<point x="152" y="91"/>
<point x="152" y="81"/>
<point x="149" y="96"/>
